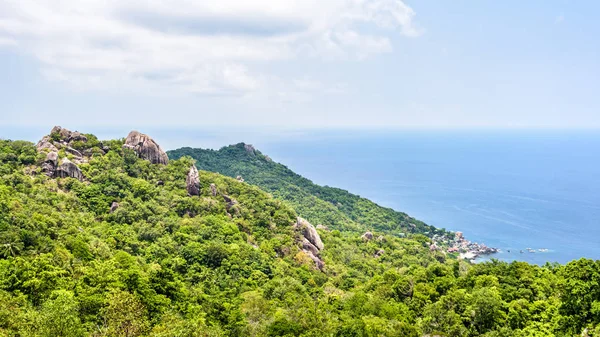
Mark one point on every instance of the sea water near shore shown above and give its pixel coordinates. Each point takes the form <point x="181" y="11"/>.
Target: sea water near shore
<point x="508" y="189"/>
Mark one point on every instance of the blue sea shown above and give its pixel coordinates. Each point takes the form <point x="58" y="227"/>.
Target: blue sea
<point x="508" y="189"/>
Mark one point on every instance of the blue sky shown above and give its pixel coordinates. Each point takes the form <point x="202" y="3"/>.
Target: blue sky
<point x="299" y="64"/>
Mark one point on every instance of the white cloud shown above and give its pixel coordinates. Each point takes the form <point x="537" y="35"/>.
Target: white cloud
<point x="206" y="47"/>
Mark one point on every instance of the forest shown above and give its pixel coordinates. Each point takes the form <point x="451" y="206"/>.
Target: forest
<point x="118" y="246"/>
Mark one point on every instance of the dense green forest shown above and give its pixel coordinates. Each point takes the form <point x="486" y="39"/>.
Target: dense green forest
<point x="320" y="204"/>
<point x="96" y="240"/>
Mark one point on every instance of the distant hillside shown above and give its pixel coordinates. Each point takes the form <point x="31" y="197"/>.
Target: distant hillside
<point x="325" y="205"/>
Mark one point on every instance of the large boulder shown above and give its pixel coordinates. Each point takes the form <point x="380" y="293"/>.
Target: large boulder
<point x="192" y="181"/>
<point x="46" y="144"/>
<point x="68" y="169"/>
<point x="368" y="236"/>
<point x="307" y="245"/>
<point x="146" y="148"/>
<point x="49" y="165"/>
<point x="310" y="233"/>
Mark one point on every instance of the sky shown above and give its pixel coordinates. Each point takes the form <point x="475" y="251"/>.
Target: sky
<point x="297" y="64"/>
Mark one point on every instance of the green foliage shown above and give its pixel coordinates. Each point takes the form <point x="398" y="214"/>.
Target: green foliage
<point x="334" y="207"/>
<point x="167" y="264"/>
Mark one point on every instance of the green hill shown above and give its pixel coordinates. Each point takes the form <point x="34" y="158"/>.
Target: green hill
<point x="325" y="205"/>
<point x="97" y="240"/>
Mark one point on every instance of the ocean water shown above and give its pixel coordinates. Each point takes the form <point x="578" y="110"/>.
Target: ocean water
<point x="508" y="189"/>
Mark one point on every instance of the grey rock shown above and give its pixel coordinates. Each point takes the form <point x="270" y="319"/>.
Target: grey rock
<point x="239" y="178"/>
<point x="74" y="152"/>
<point x="146" y="148"/>
<point x="192" y="181"/>
<point x="367" y="236"/>
<point x="49" y="165"/>
<point x="318" y="262"/>
<point x="325" y="228"/>
<point x="114" y="206"/>
<point x="230" y="201"/>
<point x="379" y="253"/>
<point x="68" y="169"/>
<point x="46" y="143"/>
<point x="250" y="149"/>
<point x="307" y="245"/>
<point x="76" y="136"/>
<point x="381" y="238"/>
<point x="213" y="190"/>
<point x="160" y="183"/>
<point x="310" y="233"/>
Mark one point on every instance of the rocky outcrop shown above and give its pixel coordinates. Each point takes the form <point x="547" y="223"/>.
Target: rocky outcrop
<point x="46" y="144"/>
<point x="114" y="206"/>
<point x="250" y="149"/>
<point x="379" y="253"/>
<point x="311" y="242"/>
<point x="146" y="148"/>
<point x="325" y="228"/>
<point x="368" y="236"/>
<point x="192" y="181"/>
<point x="68" y="169"/>
<point x="229" y="202"/>
<point x="307" y="245"/>
<point x="239" y="178"/>
<point x="49" y="165"/>
<point x="213" y="190"/>
<point x="310" y="233"/>
<point x="318" y="262"/>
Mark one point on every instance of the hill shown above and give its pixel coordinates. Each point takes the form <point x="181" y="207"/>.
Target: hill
<point x="334" y="207"/>
<point x="111" y="238"/>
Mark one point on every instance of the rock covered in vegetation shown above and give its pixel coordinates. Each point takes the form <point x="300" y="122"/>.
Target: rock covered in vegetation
<point x="146" y="148"/>
<point x="213" y="190"/>
<point x="68" y="169"/>
<point x="192" y="181"/>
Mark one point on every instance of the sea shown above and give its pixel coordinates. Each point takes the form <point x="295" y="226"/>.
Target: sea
<point x="534" y="194"/>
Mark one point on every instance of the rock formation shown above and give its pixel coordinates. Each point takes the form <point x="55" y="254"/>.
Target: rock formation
<point x="114" y="206"/>
<point x="213" y="190"/>
<point x="311" y="241"/>
<point x="46" y="143"/>
<point x="250" y="149"/>
<point x="368" y="236"/>
<point x="68" y="169"/>
<point x="192" y="181"/>
<point x="310" y="233"/>
<point x="379" y="253"/>
<point x="239" y="178"/>
<point x="230" y="202"/>
<point x="146" y="148"/>
<point x="307" y="245"/>
<point x="49" y="165"/>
